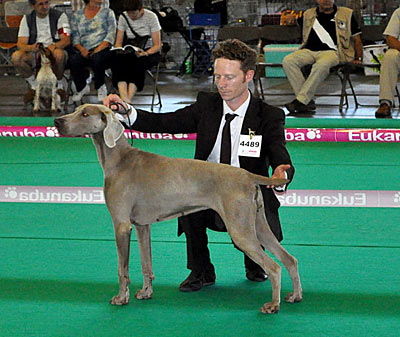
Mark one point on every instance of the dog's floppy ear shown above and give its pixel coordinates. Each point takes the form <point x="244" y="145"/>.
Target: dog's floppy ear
<point x="114" y="129"/>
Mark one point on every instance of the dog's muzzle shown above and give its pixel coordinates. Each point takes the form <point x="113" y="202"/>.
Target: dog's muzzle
<point x="59" y="124"/>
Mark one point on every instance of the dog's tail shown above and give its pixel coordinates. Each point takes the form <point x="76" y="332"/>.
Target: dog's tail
<point x="261" y="180"/>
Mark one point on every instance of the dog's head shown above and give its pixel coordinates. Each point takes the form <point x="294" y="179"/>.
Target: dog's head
<point x="45" y="55"/>
<point x="89" y="119"/>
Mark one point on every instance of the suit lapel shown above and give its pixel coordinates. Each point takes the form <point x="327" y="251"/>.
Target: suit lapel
<point x="212" y="123"/>
<point x="251" y="120"/>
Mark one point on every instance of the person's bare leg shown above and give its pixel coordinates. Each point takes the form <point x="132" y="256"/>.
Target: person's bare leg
<point x="132" y="89"/>
<point x="22" y="62"/>
<point x="123" y="91"/>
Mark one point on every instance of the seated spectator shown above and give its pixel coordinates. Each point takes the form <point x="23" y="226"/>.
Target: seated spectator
<point x="322" y="27"/>
<point x="129" y="69"/>
<point x="93" y="33"/>
<point x="390" y="67"/>
<point x="79" y="4"/>
<point x="46" y="26"/>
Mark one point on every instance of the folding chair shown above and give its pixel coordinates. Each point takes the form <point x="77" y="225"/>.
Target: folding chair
<point x="205" y="42"/>
<point x="13" y="13"/>
<point x="8" y="43"/>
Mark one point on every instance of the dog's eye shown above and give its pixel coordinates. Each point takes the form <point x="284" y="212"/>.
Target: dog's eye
<point x="85" y="114"/>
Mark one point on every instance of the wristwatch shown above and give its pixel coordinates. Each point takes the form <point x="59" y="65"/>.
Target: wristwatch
<point x="359" y="58"/>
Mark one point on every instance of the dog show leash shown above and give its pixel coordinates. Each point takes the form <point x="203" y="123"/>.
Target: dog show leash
<point x="123" y="111"/>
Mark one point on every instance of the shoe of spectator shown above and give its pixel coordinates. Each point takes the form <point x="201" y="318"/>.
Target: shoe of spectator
<point x="29" y="96"/>
<point x="311" y="105"/>
<point x="295" y="108"/>
<point x="62" y="94"/>
<point x="78" y="96"/>
<point x="101" y="93"/>
<point x="384" y="111"/>
<point x="89" y="79"/>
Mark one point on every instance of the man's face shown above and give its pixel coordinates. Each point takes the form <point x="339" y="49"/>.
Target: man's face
<point x="42" y="8"/>
<point x="232" y="82"/>
<point x="325" y="5"/>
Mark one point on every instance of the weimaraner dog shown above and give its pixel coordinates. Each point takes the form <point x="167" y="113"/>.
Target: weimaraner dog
<point x="141" y="188"/>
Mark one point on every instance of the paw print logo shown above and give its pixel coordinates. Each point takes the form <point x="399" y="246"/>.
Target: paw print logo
<point x="11" y="192"/>
<point x="51" y="131"/>
<point x="313" y="134"/>
<point x="396" y="197"/>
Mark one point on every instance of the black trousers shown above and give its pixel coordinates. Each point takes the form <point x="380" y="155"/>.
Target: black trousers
<point x="98" y="62"/>
<point x="131" y="69"/>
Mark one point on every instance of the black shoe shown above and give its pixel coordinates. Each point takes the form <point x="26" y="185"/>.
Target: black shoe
<point x="296" y="108"/>
<point x="196" y="281"/>
<point x="256" y="275"/>
<point x="311" y="105"/>
<point x="384" y="111"/>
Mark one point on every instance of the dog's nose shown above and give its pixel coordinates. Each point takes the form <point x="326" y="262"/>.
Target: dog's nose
<point x="58" y="122"/>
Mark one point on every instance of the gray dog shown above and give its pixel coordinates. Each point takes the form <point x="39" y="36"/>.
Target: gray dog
<point x="141" y="188"/>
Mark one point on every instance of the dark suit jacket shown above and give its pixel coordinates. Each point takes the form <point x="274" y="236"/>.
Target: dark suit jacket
<point x="204" y="118"/>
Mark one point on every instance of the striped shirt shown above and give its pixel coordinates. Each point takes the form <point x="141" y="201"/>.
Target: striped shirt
<point x="147" y="24"/>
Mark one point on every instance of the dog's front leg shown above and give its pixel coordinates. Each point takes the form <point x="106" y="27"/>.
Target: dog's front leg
<point x="37" y="99"/>
<point x="123" y="236"/>
<point x="143" y="234"/>
<point x="53" y="99"/>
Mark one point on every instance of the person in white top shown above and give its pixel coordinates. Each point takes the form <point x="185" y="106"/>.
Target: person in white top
<point x="129" y="69"/>
<point x="48" y="27"/>
<point x="390" y="67"/>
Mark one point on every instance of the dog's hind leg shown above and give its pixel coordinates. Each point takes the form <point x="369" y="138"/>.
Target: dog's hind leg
<point x="122" y="235"/>
<point x="269" y="241"/>
<point x="143" y="234"/>
<point x="241" y="228"/>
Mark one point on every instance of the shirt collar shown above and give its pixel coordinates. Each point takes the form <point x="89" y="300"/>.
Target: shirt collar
<point x="241" y="111"/>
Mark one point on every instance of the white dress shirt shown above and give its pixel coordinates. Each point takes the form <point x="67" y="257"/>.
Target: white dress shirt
<point x="236" y="127"/>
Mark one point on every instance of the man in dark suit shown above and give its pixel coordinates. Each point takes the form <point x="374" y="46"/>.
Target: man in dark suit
<point x="257" y="142"/>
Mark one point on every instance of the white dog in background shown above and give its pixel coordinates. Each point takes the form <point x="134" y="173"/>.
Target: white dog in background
<point x="46" y="88"/>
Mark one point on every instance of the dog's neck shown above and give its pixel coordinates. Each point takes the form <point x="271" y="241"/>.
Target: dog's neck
<point x="45" y="61"/>
<point x="109" y="158"/>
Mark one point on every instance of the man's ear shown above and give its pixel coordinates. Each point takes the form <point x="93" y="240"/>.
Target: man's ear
<point x="249" y="75"/>
<point x="114" y="129"/>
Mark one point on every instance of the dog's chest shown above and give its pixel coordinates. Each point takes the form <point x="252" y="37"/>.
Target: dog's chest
<point x="46" y="75"/>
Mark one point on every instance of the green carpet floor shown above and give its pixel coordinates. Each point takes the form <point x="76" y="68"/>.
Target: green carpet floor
<point x="58" y="265"/>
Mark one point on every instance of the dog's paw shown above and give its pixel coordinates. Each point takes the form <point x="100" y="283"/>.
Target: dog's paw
<point x="270" y="308"/>
<point x="120" y="299"/>
<point x="293" y="298"/>
<point x="144" y="294"/>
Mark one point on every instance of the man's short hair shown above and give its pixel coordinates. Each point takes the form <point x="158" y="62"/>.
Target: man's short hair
<point x="133" y="5"/>
<point x="32" y="2"/>
<point x="236" y="50"/>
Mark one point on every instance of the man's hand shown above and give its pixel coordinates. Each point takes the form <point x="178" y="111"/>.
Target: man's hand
<point x="84" y="52"/>
<point x="279" y="173"/>
<point x="34" y="47"/>
<point x="114" y="102"/>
